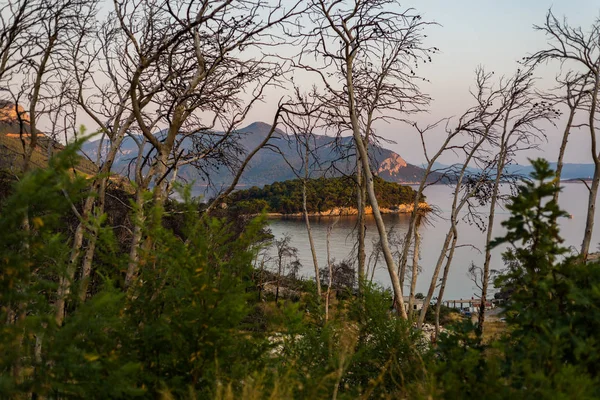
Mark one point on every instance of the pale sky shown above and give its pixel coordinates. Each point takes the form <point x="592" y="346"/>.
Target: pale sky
<point x="494" y="34"/>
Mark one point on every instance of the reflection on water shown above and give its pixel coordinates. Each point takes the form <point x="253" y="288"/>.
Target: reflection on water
<point x="343" y="238"/>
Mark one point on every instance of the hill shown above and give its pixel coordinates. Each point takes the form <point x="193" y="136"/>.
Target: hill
<point x="335" y="157"/>
<point x="11" y="147"/>
<point x="322" y="196"/>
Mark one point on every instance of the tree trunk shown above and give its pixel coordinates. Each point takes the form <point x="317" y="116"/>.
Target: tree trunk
<point x="368" y="176"/>
<point x="361" y="192"/>
<point x="86" y="268"/>
<point x="330" y="267"/>
<point x="563" y="147"/>
<point x="96" y="190"/>
<point x="488" y="240"/>
<point x="308" y="229"/>
<point x="589" y="223"/>
<point x="434" y="278"/>
<point x="136" y="238"/>
<point x="139" y="215"/>
<point x="261" y="279"/>
<point x="278" y="280"/>
<point x="402" y="271"/>
<point x="389" y="259"/>
<point x="438" y="305"/>
<point x="35" y="96"/>
<point x="65" y="281"/>
<point x="160" y="187"/>
<point x="415" y="268"/>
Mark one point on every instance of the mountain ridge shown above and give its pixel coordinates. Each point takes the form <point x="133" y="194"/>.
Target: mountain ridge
<point x="268" y="166"/>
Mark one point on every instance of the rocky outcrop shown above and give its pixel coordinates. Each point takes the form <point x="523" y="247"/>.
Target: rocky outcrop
<point x="9" y="114"/>
<point x="392" y="164"/>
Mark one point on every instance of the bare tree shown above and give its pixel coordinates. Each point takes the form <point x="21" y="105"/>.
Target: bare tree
<point x="473" y="130"/>
<point x="576" y="92"/>
<point x="477" y="136"/>
<point x="519" y="128"/>
<point x="158" y="90"/>
<point x="286" y="256"/>
<point x="367" y="51"/>
<point x="302" y="119"/>
<point x="329" y="268"/>
<point x="579" y="49"/>
<point x="33" y="38"/>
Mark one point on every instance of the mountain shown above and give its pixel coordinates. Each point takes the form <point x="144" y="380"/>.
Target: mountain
<point x="267" y="166"/>
<point x="570" y="171"/>
<point x="11" y="146"/>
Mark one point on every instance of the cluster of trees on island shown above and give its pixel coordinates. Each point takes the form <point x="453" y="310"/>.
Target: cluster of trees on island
<point x="322" y="195"/>
<point x="113" y="289"/>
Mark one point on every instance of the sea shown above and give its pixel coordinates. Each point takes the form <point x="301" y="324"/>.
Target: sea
<point x="573" y="199"/>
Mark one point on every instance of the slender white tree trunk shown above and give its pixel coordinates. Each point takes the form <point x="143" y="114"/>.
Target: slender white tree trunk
<point x="313" y="251"/>
<point x="589" y="223"/>
<point x="489" y="236"/>
<point x="65" y="281"/>
<point x="368" y="176"/>
<point x="434" y="279"/>
<point x="415" y="268"/>
<point x="361" y="194"/>
<point x="86" y="267"/>
<point x="97" y="190"/>
<point x="438" y="306"/>
<point x="563" y="147"/>
<point x="330" y="267"/>
<point x="139" y="217"/>
<point x="136" y="238"/>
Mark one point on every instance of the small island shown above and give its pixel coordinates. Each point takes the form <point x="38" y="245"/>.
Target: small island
<point x="324" y="197"/>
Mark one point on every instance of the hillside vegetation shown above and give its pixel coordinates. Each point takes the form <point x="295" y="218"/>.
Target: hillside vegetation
<point x="322" y="195"/>
<point x="11" y="149"/>
<point x="200" y="324"/>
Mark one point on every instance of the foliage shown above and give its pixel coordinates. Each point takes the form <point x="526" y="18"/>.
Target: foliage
<point x="554" y="306"/>
<point x="322" y="194"/>
<point x="34" y="252"/>
<point x="176" y="329"/>
<point x="550" y="350"/>
<point x="192" y="326"/>
<point x="447" y="314"/>
<point x="343" y="276"/>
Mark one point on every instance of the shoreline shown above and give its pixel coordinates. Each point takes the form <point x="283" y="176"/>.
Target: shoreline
<point x="351" y="211"/>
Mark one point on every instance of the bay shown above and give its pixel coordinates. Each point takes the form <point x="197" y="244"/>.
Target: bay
<point x="573" y="199"/>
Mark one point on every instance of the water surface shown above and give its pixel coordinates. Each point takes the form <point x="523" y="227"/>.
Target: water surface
<point x="573" y="199"/>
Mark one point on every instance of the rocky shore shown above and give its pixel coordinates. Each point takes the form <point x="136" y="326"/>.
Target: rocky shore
<point x="350" y="211"/>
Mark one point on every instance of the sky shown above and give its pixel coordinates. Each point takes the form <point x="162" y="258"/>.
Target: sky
<point x="493" y="34"/>
<point x="471" y="33"/>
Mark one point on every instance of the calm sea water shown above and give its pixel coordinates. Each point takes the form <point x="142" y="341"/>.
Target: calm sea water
<point x="573" y="199"/>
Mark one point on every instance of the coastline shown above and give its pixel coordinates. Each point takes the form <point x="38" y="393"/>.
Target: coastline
<point x="351" y="211"/>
